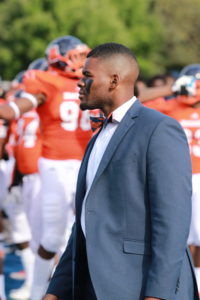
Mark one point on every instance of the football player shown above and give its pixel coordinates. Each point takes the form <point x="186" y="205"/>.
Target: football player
<point x="185" y="108"/>
<point x="27" y="153"/>
<point x="65" y="134"/>
<point x="189" y="117"/>
<point x="3" y="191"/>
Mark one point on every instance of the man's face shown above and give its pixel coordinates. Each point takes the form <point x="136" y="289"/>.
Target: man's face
<point x="94" y="86"/>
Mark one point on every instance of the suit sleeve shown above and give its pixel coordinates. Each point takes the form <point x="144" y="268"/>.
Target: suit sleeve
<point x="170" y="191"/>
<point x="61" y="282"/>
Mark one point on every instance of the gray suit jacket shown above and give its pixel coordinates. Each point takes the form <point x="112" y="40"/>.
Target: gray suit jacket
<point x="137" y="215"/>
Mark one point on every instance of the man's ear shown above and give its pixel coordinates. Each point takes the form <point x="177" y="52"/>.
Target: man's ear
<point x="114" y="81"/>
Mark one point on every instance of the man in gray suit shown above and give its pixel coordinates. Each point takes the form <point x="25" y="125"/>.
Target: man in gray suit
<point x="133" y="199"/>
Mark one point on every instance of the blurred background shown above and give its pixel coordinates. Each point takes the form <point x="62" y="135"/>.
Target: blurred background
<point x="162" y="33"/>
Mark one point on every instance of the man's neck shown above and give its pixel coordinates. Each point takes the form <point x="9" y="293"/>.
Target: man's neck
<point x="116" y="103"/>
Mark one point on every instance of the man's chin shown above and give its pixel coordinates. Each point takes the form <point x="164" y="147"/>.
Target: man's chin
<point x="83" y="106"/>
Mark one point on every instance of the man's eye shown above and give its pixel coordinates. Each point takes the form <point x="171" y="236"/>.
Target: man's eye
<point x="87" y="75"/>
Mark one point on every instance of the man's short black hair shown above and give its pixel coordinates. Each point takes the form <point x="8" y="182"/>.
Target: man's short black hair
<point x="109" y="49"/>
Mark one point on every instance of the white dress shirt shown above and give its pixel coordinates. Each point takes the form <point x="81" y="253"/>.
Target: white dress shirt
<point x="99" y="148"/>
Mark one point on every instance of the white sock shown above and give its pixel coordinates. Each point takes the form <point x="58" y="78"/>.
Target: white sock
<point x="28" y="259"/>
<point x="197" y="273"/>
<point x="42" y="271"/>
<point x="2" y="287"/>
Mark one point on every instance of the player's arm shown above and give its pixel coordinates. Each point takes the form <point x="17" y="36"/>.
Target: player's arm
<point x="184" y="85"/>
<point x="151" y="93"/>
<point x="13" y="110"/>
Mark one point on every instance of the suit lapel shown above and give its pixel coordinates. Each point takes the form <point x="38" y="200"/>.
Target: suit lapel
<point x="127" y="122"/>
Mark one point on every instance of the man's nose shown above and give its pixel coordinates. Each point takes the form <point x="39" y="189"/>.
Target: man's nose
<point x="80" y="83"/>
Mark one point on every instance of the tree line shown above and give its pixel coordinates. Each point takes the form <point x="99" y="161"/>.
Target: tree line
<point x="162" y="33"/>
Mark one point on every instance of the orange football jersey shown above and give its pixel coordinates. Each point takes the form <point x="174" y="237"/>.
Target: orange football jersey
<point x="162" y="105"/>
<point x="28" y="143"/>
<point x="65" y="128"/>
<point x="189" y="118"/>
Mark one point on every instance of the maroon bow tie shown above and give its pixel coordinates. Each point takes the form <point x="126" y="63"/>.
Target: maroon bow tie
<point x="97" y="122"/>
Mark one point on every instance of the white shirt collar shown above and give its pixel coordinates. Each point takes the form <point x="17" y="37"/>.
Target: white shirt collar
<point x="119" y="112"/>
